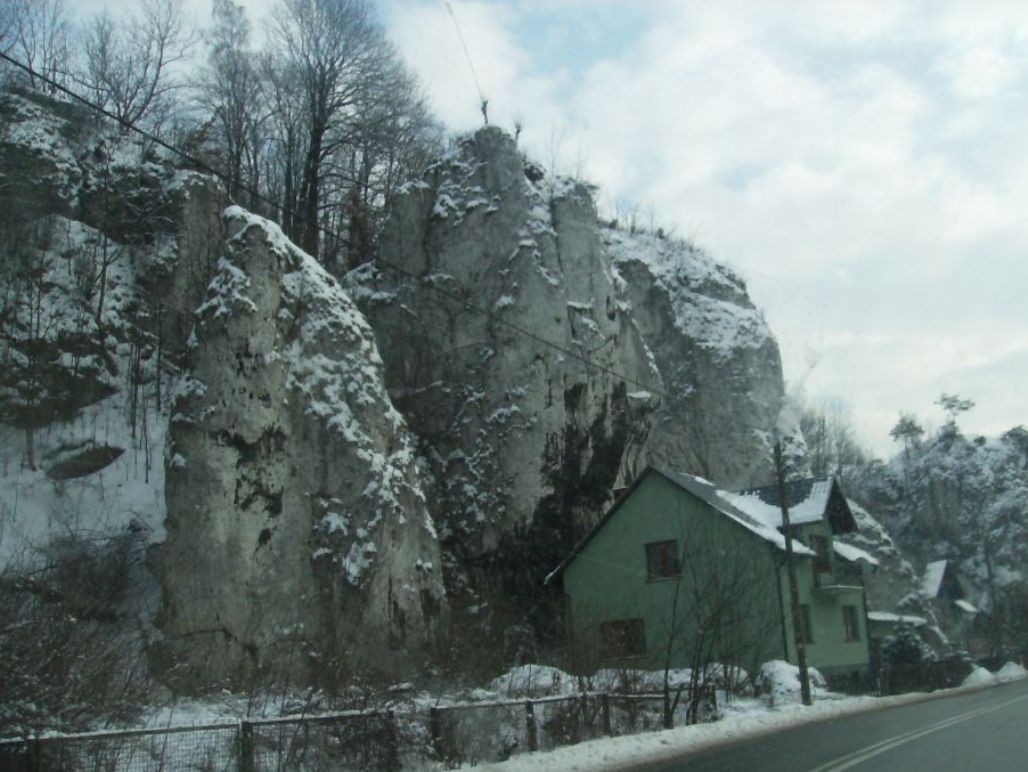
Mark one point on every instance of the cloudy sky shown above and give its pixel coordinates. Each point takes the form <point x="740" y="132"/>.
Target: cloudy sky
<point x="862" y="164"/>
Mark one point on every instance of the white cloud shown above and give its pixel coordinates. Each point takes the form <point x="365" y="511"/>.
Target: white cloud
<point x="859" y="162"/>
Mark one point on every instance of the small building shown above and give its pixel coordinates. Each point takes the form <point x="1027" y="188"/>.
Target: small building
<point x="958" y="618"/>
<point x="680" y="573"/>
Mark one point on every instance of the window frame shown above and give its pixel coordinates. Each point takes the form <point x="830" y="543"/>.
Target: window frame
<point x="668" y="560"/>
<point x="805" y="634"/>
<point x="821" y="545"/>
<point x="850" y="624"/>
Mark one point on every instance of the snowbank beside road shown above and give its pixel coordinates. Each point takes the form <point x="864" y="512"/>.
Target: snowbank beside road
<point x="743" y="719"/>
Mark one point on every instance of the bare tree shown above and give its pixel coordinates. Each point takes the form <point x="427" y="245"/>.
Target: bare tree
<point x="832" y="444"/>
<point x="231" y="91"/>
<point x="35" y="32"/>
<point x="336" y="51"/>
<point x="128" y="63"/>
<point x="722" y="616"/>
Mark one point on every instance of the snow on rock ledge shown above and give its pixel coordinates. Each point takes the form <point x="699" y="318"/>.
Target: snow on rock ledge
<point x="719" y="362"/>
<point x="298" y="535"/>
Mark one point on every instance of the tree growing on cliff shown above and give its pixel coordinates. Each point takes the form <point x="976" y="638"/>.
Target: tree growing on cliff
<point x="128" y="61"/>
<point x="334" y="51"/>
<point x="359" y="124"/>
<point x="36" y="33"/>
<point x="232" y="92"/>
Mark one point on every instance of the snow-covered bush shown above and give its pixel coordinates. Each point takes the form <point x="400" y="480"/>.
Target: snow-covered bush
<point x="780" y="681"/>
<point x="906" y="648"/>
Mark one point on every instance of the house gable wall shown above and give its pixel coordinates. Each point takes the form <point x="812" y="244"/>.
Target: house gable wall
<point x="608" y="582"/>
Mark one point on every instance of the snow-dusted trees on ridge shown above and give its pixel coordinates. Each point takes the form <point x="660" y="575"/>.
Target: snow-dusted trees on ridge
<point x="832" y="444"/>
<point x="315" y="129"/>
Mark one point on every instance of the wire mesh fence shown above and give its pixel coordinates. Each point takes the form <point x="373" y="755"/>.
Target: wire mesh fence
<point x="358" y="741"/>
<point x="209" y="748"/>
<point x="453" y="735"/>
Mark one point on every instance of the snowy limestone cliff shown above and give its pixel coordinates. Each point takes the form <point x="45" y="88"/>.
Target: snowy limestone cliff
<point x="719" y="362"/>
<point x="106" y="246"/>
<point x="299" y="540"/>
<point x="525" y="441"/>
<point x="297" y="529"/>
<point x="304" y="479"/>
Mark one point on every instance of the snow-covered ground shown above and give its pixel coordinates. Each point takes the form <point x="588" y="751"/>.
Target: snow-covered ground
<point x="742" y="719"/>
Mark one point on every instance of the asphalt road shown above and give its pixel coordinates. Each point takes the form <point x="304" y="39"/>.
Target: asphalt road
<point x="982" y="730"/>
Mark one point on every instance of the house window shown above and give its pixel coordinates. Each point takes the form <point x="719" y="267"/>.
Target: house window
<point x="623" y="638"/>
<point x="804" y="634"/>
<point x="849" y="623"/>
<point x="662" y="560"/>
<point x="822" y="560"/>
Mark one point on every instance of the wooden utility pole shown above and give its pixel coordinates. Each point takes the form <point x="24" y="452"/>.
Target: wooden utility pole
<point x="790" y="567"/>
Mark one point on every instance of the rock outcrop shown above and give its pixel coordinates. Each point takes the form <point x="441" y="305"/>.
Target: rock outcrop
<point x="107" y="246"/>
<point x="299" y="540"/>
<point x="494" y="282"/>
<point x="525" y="440"/>
<point x="536" y="361"/>
<point x="719" y="362"/>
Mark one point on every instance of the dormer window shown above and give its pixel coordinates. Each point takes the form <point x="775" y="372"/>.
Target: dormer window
<point x="822" y="560"/>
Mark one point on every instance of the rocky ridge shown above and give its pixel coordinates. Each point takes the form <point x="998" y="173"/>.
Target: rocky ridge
<point x="305" y="473"/>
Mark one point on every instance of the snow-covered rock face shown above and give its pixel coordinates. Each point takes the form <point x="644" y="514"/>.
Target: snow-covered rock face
<point x="298" y="534"/>
<point x="521" y="437"/>
<point x="720" y="364"/>
<point x="105" y="251"/>
<point x="527" y="443"/>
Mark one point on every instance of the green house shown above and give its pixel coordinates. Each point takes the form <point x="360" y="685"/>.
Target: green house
<point x="683" y="574"/>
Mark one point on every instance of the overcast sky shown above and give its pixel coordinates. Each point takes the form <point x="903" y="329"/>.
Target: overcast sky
<point x="863" y="164"/>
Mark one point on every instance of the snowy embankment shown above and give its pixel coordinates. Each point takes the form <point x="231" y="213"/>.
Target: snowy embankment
<point x="743" y="719"/>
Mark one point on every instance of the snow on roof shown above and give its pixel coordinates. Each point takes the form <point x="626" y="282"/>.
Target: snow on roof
<point x="702" y="489"/>
<point x="722" y="501"/>
<point x="963" y="605"/>
<point x="807" y="500"/>
<point x="853" y="554"/>
<point x="932" y="580"/>
<point x="888" y="616"/>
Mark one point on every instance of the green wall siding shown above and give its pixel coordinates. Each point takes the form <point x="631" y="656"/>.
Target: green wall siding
<point x="723" y="562"/>
<point x="830" y="650"/>
<point x="608" y="580"/>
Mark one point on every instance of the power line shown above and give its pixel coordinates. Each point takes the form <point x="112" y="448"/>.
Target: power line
<point x="257" y="196"/>
<point x="467" y="54"/>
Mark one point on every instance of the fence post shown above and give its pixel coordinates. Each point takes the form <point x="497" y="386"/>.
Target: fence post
<point x="435" y="732"/>
<point x="605" y="705"/>
<point x="33" y="748"/>
<point x="585" y="725"/>
<point x="533" y="737"/>
<point x="246" y="749"/>
<point x="393" y="741"/>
